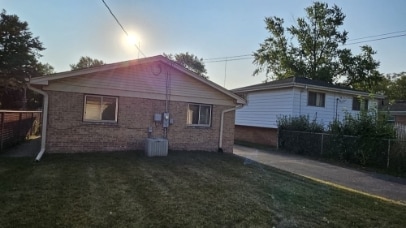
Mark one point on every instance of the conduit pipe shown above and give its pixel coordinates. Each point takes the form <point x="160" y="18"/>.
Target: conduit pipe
<point x="222" y="126"/>
<point x="44" y="120"/>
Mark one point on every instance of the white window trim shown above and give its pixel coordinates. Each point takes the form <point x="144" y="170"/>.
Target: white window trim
<point x="317" y="94"/>
<point x="199" y="125"/>
<point x="363" y="104"/>
<point x="100" y="121"/>
<point x="356" y="99"/>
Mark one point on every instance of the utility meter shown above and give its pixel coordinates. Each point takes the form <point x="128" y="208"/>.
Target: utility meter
<point x="165" y="119"/>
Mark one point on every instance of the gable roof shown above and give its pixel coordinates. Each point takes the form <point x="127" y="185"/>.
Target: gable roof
<point x="301" y="82"/>
<point x="44" y="80"/>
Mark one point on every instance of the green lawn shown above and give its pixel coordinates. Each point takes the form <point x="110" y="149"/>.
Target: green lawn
<point x="185" y="189"/>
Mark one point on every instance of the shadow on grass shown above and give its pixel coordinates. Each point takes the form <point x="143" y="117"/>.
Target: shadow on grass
<point x="128" y="189"/>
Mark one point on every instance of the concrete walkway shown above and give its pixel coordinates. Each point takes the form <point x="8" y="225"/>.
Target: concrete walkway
<point x="373" y="184"/>
<point x="29" y="148"/>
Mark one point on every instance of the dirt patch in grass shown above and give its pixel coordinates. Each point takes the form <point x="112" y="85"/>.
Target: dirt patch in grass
<point x="184" y="189"/>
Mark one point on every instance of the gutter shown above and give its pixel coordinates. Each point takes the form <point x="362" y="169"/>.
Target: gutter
<point x="222" y="126"/>
<point x="315" y="87"/>
<point x="44" y="120"/>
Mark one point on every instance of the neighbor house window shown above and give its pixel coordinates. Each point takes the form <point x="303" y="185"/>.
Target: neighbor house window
<point x="199" y="115"/>
<point x="359" y="104"/>
<point x="100" y="108"/>
<point x="316" y="99"/>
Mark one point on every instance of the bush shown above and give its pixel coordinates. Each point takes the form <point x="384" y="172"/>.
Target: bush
<point x="299" y="123"/>
<point x="367" y="147"/>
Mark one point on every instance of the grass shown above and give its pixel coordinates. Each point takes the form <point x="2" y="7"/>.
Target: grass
<point x="185" y="189"/>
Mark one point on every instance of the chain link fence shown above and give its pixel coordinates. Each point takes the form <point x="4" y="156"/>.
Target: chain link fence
<point x="389" y="154"/>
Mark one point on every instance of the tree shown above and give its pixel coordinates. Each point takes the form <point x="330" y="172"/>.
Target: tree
<point x="312" y="50"/>
<point x="45" y="69"/>
<point x="190" y="62"/>
<point x="393" y="86"/>
<point x="398" y="86"/>
<point x="86" y="62"/>
<point x="19" y="53"/>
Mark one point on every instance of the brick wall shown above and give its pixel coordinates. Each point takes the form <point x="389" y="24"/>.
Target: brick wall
<point x="68" y="133"/>
<point x="257" y="135"/>
<point x="400" y="119"/>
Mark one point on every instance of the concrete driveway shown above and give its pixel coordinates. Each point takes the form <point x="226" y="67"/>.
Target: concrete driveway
<point x="372" y="184"/>
<point x="29" y="148"/>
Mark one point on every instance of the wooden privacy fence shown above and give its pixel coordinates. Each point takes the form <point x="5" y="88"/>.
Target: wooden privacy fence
<point x="16" y="126"/>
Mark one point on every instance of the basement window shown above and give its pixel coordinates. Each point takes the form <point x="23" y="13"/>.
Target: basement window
<point x="100" y="109"/>
<point x="316" y="99"/>
<point x="199" y="115"/>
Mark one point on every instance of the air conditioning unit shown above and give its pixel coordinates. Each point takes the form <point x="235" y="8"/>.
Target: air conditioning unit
<point x="156" y="147"/>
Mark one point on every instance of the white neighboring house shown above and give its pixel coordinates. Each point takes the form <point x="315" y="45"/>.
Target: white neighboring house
<point x="256" y="122"/>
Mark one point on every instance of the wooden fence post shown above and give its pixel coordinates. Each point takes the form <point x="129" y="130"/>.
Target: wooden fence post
<point x="20" y="117"/>
<point x="1" y="131"/>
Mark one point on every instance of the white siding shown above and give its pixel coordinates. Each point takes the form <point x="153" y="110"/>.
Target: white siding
<point x="139" y="81"/>
<point x="336" y="105"/>
<point x="322" y="115"/>
<point x="263" y="108"/>
<point x="344" y="105"/>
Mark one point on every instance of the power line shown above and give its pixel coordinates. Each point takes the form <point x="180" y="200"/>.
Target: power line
<point x="373" y="36"/>
<point x="383" y="38"/>
<point x="227" y="57"/>
<point x="122" y="27"/>
<point x="243" y="57"/>
<point x="227" y="60"/>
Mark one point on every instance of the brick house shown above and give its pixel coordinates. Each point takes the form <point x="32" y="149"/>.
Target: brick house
<point x="118" y="106"/>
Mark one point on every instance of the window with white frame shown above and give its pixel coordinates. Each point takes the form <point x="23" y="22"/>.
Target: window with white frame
<point x="199" y="115"/>
<point x="316" y="99"/>
<point x="100" y="108"/>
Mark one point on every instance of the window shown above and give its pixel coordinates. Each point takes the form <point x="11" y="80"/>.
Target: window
<point x="199" y="115"/>
<point x="359" y="104"/>
<point x="100" y="108"/>
<point x="316" y="99"/>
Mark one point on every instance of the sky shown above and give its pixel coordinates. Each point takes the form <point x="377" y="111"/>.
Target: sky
<point x="209" y="29"/>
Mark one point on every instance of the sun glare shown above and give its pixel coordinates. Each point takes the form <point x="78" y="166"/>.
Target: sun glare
<point x="132" y="40"/>
<point x="131" y="43"/>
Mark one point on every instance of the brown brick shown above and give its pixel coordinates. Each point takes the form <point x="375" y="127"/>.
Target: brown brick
<point x="257" y="135"/>
<point x="68" y="133"/>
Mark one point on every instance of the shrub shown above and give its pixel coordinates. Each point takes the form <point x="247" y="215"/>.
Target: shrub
<point x="299" y="123"/>
<point x="367" y="148"/>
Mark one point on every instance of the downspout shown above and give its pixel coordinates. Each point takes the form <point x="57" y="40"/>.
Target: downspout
<point x="44" y="120"/>
<point x="337" y="99"/>
<point x="222" y="126"/>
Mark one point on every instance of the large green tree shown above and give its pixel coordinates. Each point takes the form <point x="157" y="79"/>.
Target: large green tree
<point x="398" y="87"/>
<point x="312" y="48"/>
<point x="190" y="62"/>
<point x="86" y="62"/>
<point x="19" y="53"/>
<point x="393" y="86"/>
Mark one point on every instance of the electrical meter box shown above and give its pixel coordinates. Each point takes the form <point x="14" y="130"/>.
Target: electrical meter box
<point x="157" y="117"/>
<point x="165" y="121"/>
